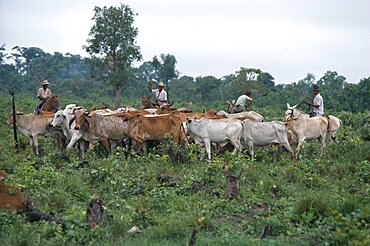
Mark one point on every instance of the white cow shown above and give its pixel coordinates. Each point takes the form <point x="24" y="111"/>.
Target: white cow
<point x="221" y="131"/>
<point x="265" y="133"/>
<point x="69" y="109"/>
<point x="64" y="120"/>
<point x="334" y="122"/>
<point x="303" y="129"/>
<point x="252" y="114"/>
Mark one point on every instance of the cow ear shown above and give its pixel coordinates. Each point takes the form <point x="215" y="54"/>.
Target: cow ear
<point x="71" y="122"/>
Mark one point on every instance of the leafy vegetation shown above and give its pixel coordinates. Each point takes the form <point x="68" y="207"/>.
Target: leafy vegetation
<point x="310" y="201"/>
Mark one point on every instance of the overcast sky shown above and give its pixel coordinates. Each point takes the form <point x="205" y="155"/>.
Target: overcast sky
<point x="286" y="38"/>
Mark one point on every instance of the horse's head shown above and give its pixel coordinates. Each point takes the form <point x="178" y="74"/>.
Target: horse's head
<point x="52" y="104"/>
<point x="146" y="103"/>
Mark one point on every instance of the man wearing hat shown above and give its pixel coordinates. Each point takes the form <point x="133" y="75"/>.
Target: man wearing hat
<point x="160" y="93"/>
<point x="42" y="94"/>
<point x="243" y="102"/>
<point x="318" y="102"/>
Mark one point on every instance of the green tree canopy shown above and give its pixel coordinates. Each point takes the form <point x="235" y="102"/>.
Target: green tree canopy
<point x="113" y="39"/>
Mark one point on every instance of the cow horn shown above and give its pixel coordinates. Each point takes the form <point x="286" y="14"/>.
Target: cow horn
<point x="76" y="108"/>
<point x="288" y="105"/>
<point x="171" y="104"/>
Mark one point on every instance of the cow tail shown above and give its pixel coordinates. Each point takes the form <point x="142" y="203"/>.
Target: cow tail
<point x="328" y="118"/>
<point x="182" y="129"/>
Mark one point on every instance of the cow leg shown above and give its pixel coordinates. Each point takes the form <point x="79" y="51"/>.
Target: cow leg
<point x="61" y="143"/>
<point x="251" y="149"/>
<point x="35" y="144"/>
<point x="106" y="145"/>
<point x="297" y="150"/>
<point x="81" y="146"/>
<point x="237" y="146"/>
<point x="72" y="142"/>
<point x="323" y="144"/>
<point x="207" y="144"/>
<point x="144" y="147"/>
<point x="288" y="148"/>
<point x="30" y="138"/>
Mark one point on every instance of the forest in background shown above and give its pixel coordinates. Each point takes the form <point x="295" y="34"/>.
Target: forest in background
<point x="72" y="76"/>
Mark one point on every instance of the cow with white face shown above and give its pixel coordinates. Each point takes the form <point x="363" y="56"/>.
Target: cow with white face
<point x="302" y="129"/>
<point x="64" y="120"/>
<point x="205" y="131"/>
<point x="264" y="134"/>
<point x="334" y="122"/>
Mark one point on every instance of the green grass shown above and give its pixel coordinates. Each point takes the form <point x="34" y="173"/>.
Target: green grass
<point x="317" y="200"/>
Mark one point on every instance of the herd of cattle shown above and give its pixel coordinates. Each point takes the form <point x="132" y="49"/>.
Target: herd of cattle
<point x="83" y="128"/>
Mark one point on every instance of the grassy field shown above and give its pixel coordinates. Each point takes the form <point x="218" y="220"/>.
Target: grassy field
<point x="316" y="200"/>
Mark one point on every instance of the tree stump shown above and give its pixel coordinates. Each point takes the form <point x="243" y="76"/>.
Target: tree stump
<point x="232" y="185"/>
<point x="94" y="212"/>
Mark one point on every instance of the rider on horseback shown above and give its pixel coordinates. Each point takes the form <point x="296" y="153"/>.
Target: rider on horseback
<point x="42" y="94"/>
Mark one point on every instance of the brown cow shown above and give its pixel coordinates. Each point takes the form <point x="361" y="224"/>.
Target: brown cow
<point x="143" y="128"/>
<point x="32" y="125"/>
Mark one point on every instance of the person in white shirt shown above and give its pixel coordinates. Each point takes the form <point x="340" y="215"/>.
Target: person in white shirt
<point x="243" y="102"/>
<point x="318" y="102"/>
<point x="43" y="94"/>
<point x="160" y="94"/>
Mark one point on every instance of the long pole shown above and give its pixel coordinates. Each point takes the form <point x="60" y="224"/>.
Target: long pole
<point x="14" y="121"/>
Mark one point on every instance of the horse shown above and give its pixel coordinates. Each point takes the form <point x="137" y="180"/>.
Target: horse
<point x="52" y="104"/>
<point x="146" y="103"/>
<point x="334" y="122"/>
<point x="230" y="106"/>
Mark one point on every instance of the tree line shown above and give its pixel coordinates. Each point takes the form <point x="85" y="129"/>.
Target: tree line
<point x="109" y="74"/>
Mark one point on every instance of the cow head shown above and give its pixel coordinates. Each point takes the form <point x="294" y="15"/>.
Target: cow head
<point x="9" y="121"/>
<point x="58" y="119"/>
<point x="80" y="117"/>
<point x="69" y="108"/>
<point x="289" y="111"/>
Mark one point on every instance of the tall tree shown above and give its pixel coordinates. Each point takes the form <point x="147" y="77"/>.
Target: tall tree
<point x="113" y="39"/>
<point x="266" y="79"/>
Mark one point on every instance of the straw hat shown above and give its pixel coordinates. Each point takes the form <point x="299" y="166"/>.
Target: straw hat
<point x="160" y="84"/>
<point x="45" y="82"/>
